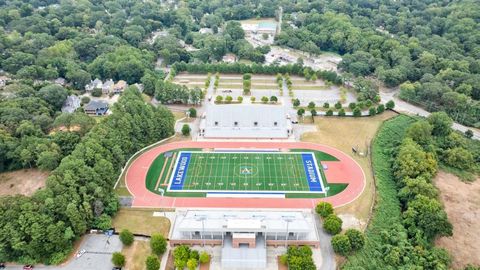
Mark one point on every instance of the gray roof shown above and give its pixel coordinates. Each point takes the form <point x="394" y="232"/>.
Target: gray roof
<point x="252" y="121"/>
<point x="71" y="104"/>
<point x="96" y="104"/>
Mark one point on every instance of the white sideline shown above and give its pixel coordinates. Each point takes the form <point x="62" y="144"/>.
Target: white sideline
<point x="244" y="195"/>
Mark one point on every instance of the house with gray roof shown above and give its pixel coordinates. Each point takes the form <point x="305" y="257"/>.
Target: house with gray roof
<point x="71" y="104"/>
<point x="95" y="84"/>
<point x="96" y="107"/>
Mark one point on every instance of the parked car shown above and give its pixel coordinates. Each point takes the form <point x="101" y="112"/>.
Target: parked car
<point x="80" y="253"/>
<point x="116" y="268"/>
<point x="28" y="267"/>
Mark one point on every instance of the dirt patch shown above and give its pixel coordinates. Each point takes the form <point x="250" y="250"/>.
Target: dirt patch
<point x="462" y="204"/>
<point x="343" y="134"/>
<point x="351" y="222"/>
<point x="136" y="254"/>
<point x="22" y="182"/>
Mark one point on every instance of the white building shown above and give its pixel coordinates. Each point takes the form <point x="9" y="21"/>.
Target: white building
<point x="71" y="104"/>
<point x="244" y="235"/>
<point x="95" y="84"/>
<point x="250" y="121"/>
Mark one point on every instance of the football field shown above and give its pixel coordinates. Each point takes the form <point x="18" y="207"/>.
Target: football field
<point x="256" y="172"/>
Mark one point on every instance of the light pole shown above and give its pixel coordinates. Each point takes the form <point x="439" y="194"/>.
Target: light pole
<point x="287" y="220"/>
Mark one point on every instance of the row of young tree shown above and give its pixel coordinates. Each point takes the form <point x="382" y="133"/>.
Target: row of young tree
<point x="79" y="193"/>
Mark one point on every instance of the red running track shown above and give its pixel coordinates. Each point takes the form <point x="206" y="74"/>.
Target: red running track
<point x="345" y="171"/>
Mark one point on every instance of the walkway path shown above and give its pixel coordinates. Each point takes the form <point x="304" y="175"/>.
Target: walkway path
<point x="405" y="107"/>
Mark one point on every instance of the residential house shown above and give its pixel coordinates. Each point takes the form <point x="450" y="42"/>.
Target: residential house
<point x="205" y="31"/>
<point x="95" y="84"/>
<point x="119" y="87"/>
<point x="96" y="107"/>
<point x="3" y="81"/>
<point x="71" y="104"/>
<point x="229" y="58"/>
<point x="108" y="87"/>
<point x="60" y="81"/>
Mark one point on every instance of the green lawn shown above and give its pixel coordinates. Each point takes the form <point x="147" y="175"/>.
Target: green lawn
<point x="282" y="172"/>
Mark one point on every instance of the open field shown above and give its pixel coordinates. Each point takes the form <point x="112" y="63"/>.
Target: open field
<point x="140" y="222"/>
<point x="343" y="134"/>
<point x="191" y="80"/>
<point x="461" y="201"/>
<point x="22" y="182"/>
<point x="136" y="254"/>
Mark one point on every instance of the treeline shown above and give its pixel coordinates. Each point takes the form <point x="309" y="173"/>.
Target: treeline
<point x="167" y="93"/>
<point x="79" y="193"/>
<point x="292" y="69"/>
<point x="408" y="216"/>
<point x="33" y="132"/>
<point x="401" y="41"/>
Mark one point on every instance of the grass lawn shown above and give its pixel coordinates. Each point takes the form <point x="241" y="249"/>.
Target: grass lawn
<point x="309" y="87"/>
<point x="343" y="134"/>
<point x="141" y="222"/>
<point x="136" y="254"/>
<point x="243" y="172"/>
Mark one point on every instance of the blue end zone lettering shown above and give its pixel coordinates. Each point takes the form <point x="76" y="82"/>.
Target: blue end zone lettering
<point x="311" y="171"/>
<point x="180" y="171"/>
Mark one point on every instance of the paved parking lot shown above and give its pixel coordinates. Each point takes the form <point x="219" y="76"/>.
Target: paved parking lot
<point x="99" y="249"/>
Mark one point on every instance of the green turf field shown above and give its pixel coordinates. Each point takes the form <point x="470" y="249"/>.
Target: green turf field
<point x="264" y="172"/>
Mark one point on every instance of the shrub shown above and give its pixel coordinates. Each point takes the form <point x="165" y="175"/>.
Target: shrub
<point x="352" y="105"/>
<point x="341" y="244"/>
<point x="332" y="224"/>
<point x="326" y="105"/>
<point x="338" y="105"/>
<point x="368" y="103"/>
<point x="469" y="133"/>
<point x="252" y="99"/>
<point x="372" y="111"/>
<point x="126" y="237"/>
<point x="228" y="99"/>
<point x="264" y="100"/>
<point x="186" y="130"/>
<point x="311" y="105"/>
<point x="97" y="92"/>
<point x="329" y="112"/>
<point x="219" y="99"/>
<point x="192" y="264"/>
<point x="356" y="238"/>
<point x="300" y="112"/>
<point x="193" y="112"/>
<point x="240" y="99"/>
<point x="324" y="209"/>
<point x="85" y="100"/>
<point x="390" y="105"/>
<point x="274" y="99"/>
<point x="284" y="259"/>
<point x="341" y="112"/>
<point x="158" y="244"/>
<point x="296" y="102"/>
<point x="118" y="259"/>
<point x="247" y="76"/>
<point x="313" y="112"/>
<point x="380" y="108"/>
<point x="152" y="263"/>
<point x="357" y="112"/>
<point x="204" y="257"/>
